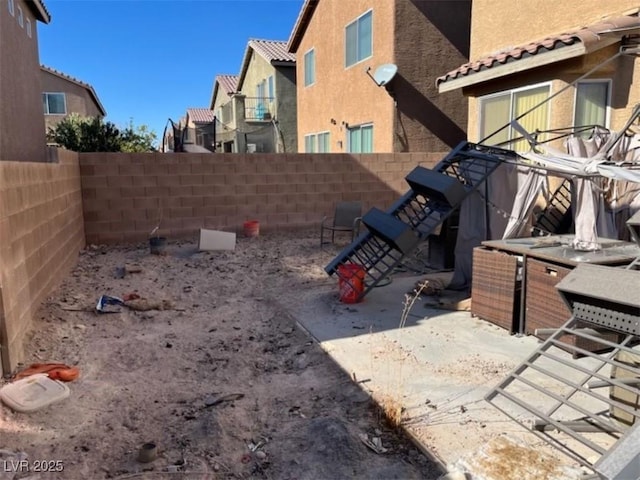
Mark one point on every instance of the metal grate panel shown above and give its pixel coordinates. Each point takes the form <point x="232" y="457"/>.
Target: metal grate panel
<point x="556" y="217"/>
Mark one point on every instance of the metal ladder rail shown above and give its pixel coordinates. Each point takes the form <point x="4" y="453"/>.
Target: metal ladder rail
<point x="421" y="213"/>
<point x="555" y="212"/>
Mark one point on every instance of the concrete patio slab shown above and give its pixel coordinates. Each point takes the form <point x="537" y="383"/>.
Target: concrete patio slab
<point x="434" y="371"/>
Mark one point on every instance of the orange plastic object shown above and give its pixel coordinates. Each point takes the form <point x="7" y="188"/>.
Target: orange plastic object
<point x="56" y="371"/>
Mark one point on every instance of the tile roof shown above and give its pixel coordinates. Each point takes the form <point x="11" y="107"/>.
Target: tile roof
<point x="304" y="17"/>
<point x="71" y="79"/>
<point x="200" y="115"/>
<point x="228" y="83"/>
<point x="273" y="51"/>
<point x="589" y="36"/>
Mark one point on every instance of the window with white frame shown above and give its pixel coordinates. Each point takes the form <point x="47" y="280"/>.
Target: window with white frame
<point x="324" y="142"/>
<point x="310" y="143"/>
<point x="497" y="110"/>
<point x="272" y="93"/>
<point x="317" y="143"/>
<point x="261" y="90"/>
<point x="20" y="17"/>
<point x="360" y="139"/>
<point x="310" y="67"/>
<point x="11" y="7"/>
<point x="29" y="33"/>
<point x="359" y="39"/>
<point x="54" y="103"/>
<point x="591" y="103"/>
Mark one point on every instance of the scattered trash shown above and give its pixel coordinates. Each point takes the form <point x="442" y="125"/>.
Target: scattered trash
<point x="213" y="401"/>
<point x="127" y="297"/>
<point x="55" y="371"/>
<point x="295" y="410"/>
<point x="374" y="443"/>
<point x="158" y="245"/>
<point x="211" y="240"/>
<point x="130" y="268"/>
<point x="246" y="458"/>
<point x="147" y="453"/>
<point x="144" y="304"/>
<point x="255" y="446"/>
<point x="104" y="301"/>
<point x="33" y="393"/>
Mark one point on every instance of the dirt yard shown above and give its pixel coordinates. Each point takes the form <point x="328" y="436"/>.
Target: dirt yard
<point x="219" y="377"/>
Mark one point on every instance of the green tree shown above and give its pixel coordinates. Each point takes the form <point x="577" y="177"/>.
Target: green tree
<point x="93" y="134"/>
<point x="138" y="139"/>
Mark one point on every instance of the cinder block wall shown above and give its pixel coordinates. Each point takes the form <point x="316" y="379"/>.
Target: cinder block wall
<point x="41" y="234"/>
<point x="126" y="195"/>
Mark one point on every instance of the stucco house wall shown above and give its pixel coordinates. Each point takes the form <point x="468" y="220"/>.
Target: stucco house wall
<point x="430" y="37"/>
<point x="286" y="107"/>
<point x="22" y="135"/>
<point x="421" y="37"/>
<point x="77" y="99"/>
<point x="282" y="106"/>
<point x="342" y="95"/>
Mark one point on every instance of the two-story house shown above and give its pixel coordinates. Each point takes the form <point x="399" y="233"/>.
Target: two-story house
<point x="199" y="130"/>
<point x="258" y="114"/>
<point x="341" y="45"/>
<point x="63" y="95"/>
<point x="195" y="132"/>
<point x="224" y="87"/>
<point x="568" y="60"/>
<point x="22" y="132"/>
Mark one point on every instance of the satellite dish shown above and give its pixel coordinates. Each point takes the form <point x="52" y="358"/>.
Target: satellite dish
<point x="385" y="73"/>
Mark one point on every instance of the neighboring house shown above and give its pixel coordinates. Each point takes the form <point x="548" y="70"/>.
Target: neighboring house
<point x="340" y="45"/>
<point x="195" y="133"/>
<point x="199" y="129"/>
<point x="260" y="115"/>
<point x="22" y="133"/>
<point x="224" y="87"/>
<point x="63" y="95"/>
<point x="543" y="48"/>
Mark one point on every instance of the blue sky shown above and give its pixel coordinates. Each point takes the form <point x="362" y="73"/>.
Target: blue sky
<point x="150" y="60"/>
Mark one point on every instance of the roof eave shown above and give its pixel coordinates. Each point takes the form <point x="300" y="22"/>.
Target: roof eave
<point x="213" y="94"/>
<point x="41" y="11"/>
<point x="301" y="25"/>
<point x="586" y="41"/>
<point x="245" y="65"/>
<point x="97" y="101"/>
<point x="516" y="66"/>
<point x="282" y="63"/>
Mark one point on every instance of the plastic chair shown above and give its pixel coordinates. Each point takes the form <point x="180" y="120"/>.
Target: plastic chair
<point x="346" y="218"/>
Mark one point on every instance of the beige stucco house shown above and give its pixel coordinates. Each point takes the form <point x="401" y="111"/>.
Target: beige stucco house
<point x="224" y="87"/>
<point x="340" y="46"/>
<point x="63" y="95"/>
<point x="523" y="53"/>
<point x="256" y="111"/>
<point x="22" y="136"/>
